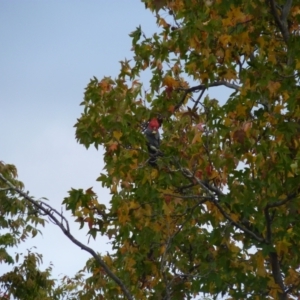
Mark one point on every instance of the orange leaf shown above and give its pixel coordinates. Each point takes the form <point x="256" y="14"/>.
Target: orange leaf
<point x="90" y="222"/>
<point x="239" y="136"/>
<point x="113" y="147"/>
<point x="169" y="90"/>
<point x="167" y="198"/>
<point x="171" y="108"/>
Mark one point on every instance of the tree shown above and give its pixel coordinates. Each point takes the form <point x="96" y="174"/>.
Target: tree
<point x="219" y="213"/>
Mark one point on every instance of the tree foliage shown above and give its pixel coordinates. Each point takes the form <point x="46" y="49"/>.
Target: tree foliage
<point x="219" y="214"/>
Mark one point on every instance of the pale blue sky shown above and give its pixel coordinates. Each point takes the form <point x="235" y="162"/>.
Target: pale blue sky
<point x="48" y="52"/>
<point x="49" y="49"/>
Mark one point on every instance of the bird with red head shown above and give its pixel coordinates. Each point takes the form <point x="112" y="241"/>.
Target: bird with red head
<point x="153" y="140"/>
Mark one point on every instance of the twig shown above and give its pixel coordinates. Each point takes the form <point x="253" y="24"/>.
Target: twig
<point x="198" y="99"/>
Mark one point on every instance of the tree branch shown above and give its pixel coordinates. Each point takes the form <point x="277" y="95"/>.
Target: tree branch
<point x="53" y="214"/>
<point x="207" y="187"/>
<point x="282" y="202"/>
<point x="236" y="224"/>
<point x="203" y="87"/>
<point x="286" y="10"/>
<point x="277" y="274"/>
<point x="203" y="198"/>
<point x="281" y="21"/>
<point x="268" y="225"/>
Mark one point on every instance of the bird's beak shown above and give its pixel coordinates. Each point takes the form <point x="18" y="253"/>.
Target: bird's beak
<point x="154" y="131"/>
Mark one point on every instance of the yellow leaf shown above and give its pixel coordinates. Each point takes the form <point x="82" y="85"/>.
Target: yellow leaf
<point x="260" y="263"/>
<point x="117" y="135"/>
<point x="166" y="209"/>
<point x="241" y="110"/>
<point x="204" y="76"/>
<point x="272" y="58"/>
<point x="123" y="215"/>
<point x="194" y="42"/>
<point x="224" y="39"/>
<point x="197" y="138"/>
<point x="274" y="289"/>
<point x="261" y="41"/>
<point x="162" y="22"/>
<point x="282" y="197"/>
<point x="170" y="82"/>
<point x="156" y="227"/>
<point x="293" y="278"/>
<point x="230" y="75"/>
<point x="283" y="246"/>
<point x="129" y="262"/>
<point x="234" y="217"/>
<point x="113" y="188"/>
<point x="273" y="87"/>
<point x="133" y="205"/>
<point x="154" y="174"/>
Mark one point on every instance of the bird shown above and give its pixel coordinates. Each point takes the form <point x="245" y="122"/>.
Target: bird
<point x="153" y="140"/>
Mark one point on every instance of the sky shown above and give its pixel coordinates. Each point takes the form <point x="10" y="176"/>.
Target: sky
<point x="49" y="50"/>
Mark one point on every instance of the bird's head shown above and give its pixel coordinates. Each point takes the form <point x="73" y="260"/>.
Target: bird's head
<point x="153" y="125"/>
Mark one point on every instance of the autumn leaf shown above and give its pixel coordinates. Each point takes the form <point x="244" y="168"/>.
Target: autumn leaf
<point x="170" y="82"/>
<point x="113" y="147"/>
<point x="117" y="135"/>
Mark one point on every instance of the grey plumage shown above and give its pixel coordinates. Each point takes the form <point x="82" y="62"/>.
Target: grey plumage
<point x="153" y="144"/>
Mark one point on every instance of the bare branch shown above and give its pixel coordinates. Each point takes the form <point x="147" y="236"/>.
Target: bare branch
<point x="199" y="98"/>
<point x="53" y="215"/>
<point x="201" y="87"/>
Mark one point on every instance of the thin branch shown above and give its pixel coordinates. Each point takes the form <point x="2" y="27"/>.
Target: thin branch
<point x="207" y="187"/>
<point x="282" y="202"/>
<point x="236" y="224"/>
<point x="53" y="214"/>
<point x="203" y="87"/>
<point x="198" y="99"/>
<point x="204" y="198"/>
